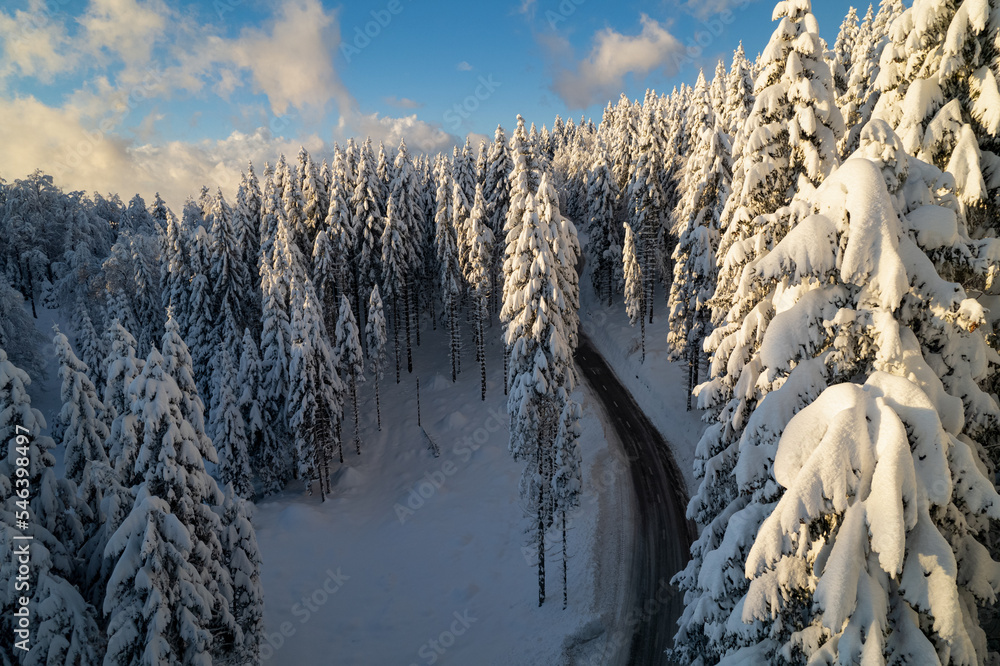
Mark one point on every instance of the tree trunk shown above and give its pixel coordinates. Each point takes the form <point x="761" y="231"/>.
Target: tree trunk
<point x="451" y="343"/>
<point x="416" y="307"/>
<point x="541" y="528"/>
<point x="482" y="347"/>
<point x="564" y="566"/>
<point x="395" y="331"/>
<point x="354" y="397"/>
<point x="409" y="349"/>
<point x="378" y="407"/>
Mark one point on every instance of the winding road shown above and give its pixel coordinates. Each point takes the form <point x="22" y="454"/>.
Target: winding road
<point x="663" y="536"/>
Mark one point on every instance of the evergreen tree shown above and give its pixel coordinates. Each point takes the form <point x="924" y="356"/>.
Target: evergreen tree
<point x="122" y="367"/>
<point x="706" y="189"/>
<point x="230" y="277"/>
<point x="479" y="278"/>
<point x="940" y="94"/>
<point x="375" y="336"/>
<point x="252" y="394"/>
<point x="852" y="448"/>
<point x="394" y="269"/>
<point x="541" y="334"/>
<point x="81" y="420"/>
<point x="450" y="273"/>
<point x="634" y="292"/>
<point x="350" y="358"/>
<point x="567" y="478"/>
<point x="496" y="190"/>
<point x="316" y="392"/>
<point x="605" y="246"/>
<point x="242" y="556"/>
<point x="229" y="433"/>
<point x="169" y="588"/>
<point x="63" y="624"/>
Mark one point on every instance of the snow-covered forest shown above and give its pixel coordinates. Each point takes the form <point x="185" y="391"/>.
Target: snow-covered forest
<point x="818" y="225"/>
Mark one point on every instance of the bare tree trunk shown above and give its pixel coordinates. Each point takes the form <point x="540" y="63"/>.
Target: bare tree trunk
<point x="482" y="347"/>
<point x="409" y="349"/>
<point x="354" y="397"/>
<point x="541" y="528"/>
<point x="395" y="331"/>
<point x="564" y="566"/>
<point x="378" y="407"/>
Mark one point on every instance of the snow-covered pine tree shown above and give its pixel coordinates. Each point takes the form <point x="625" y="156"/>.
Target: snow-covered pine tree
<point x="203" y="332"/>
<point x="350" y="359"/>
<point x="122" y="367"/>
<point x="873" y="481"/>
<point x="246" y="220"/>
<point x="369" y="211"/>
<point x="647" y="199"/>
<point x="340" y="226"/>
<point x="229" y="432"/>
<point x="634" y="292"/>
<point x="169" y="588"/>
<point x="940" y="94"/>
<point x="242" y="557"/>
<point x="793" y="96"/>
<point x="496" y="189"/>
<point x="843" y="50"/>
<point x="181" y="368"/>
<point x="605" y="245"/>
<point x="316" y="392"/>
<point x="567" y="480"/>
<point x="706" y="186"/>
<point x="450" y="272"/>
<point x="252" y="394"/>
<point x="230" y="276"/>
<point x="409" y="213"/>
<point x="83" y="431"/>
<point x="315" y="199"/>
<point x="90" y="344"/>
<point x="394" y="270"/>
<point x="858" y="100"/>
<point x="479" y="276"/>
<point x="375" y="342"/>
<point x="541" y="336"/>
<point x="175" y="269"/>
<point x="273" y="459"/>
<point x="64" y="625"/>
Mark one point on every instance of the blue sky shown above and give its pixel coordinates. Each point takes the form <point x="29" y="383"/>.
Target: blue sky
<point x="146" y="95"/>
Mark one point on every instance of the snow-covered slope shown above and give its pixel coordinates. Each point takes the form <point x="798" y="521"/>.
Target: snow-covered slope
<point x="417" y="559"/>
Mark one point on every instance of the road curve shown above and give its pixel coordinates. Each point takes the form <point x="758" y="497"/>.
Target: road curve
<point x="664" y="535"/>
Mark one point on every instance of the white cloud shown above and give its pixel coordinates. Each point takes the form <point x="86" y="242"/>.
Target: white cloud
<point x="704" y="9"/>
<point x="463" y="66"/>
<point x="125" y="28"/>
<point x="527" y="7"/>
<point x="82" y="142"/>
<point x="402" y="102"/>
<point x="600" y="76"/>
<point x="34" y="45"/>
<point x="293" y="65"/>
<point x="419" y="135"/>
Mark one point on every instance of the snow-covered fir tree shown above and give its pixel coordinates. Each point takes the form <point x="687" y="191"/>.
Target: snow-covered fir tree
<point x="252" y="394"/>
<point x="375" y="342"/>
<point x="229" y="432"/>
<point x="706" y="186"/>
<point x="540" y="332"/>
<point x="169" y="588"/>
<point x="479" y="276"/>
<point x="634" y="292"/>
<point x="605" y="240"/>
<point x="83" y="431"/>
<point x="350" y="358"/>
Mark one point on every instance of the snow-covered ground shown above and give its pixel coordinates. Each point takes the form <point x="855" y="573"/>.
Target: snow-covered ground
<point x="658" y="385"/>
<point x="417" y="559"/>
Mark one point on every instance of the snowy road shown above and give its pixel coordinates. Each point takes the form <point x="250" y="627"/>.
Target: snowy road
<point x="663" y="536"/>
